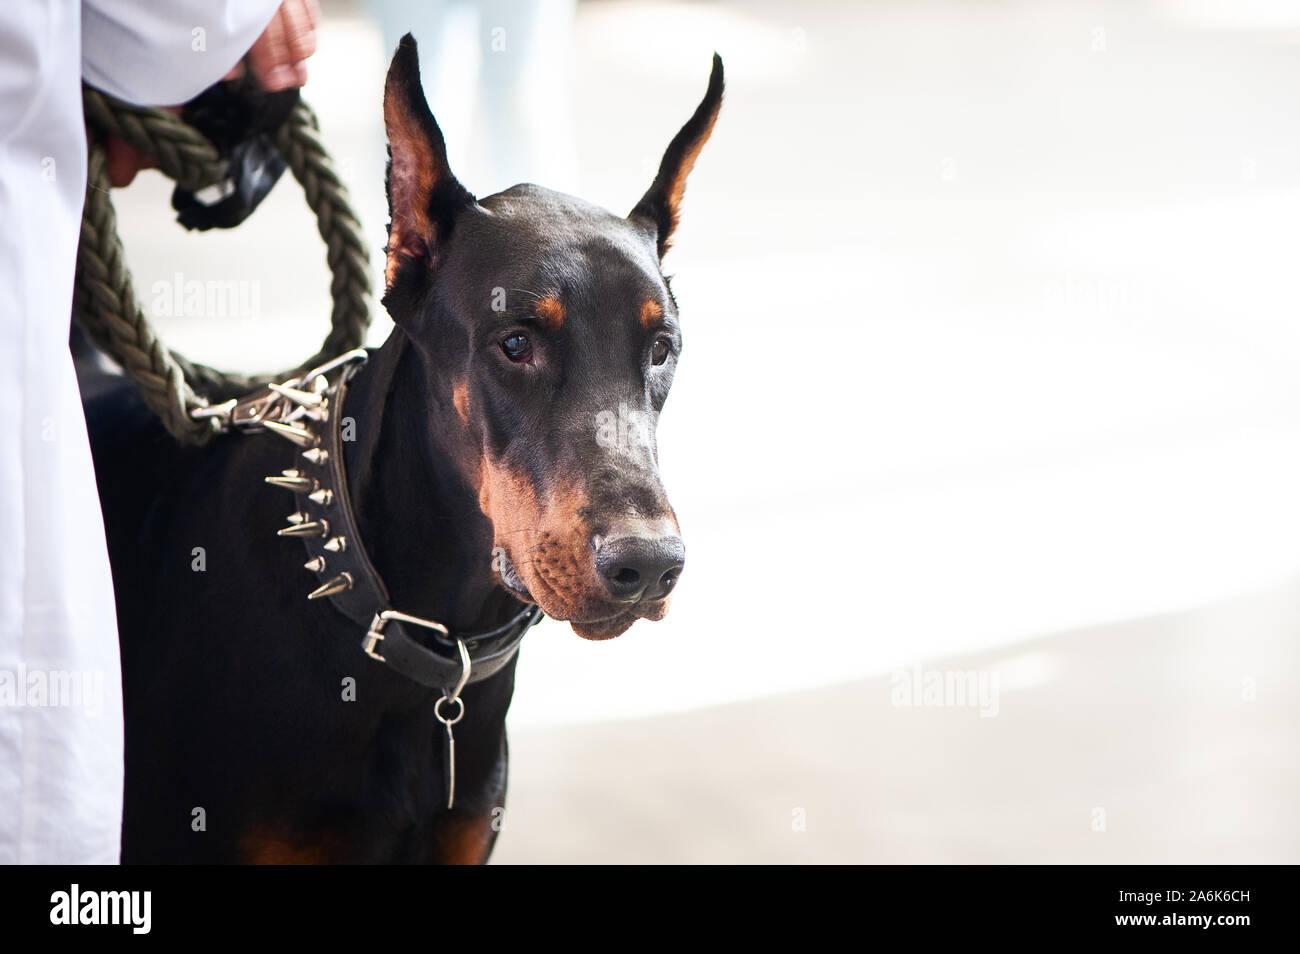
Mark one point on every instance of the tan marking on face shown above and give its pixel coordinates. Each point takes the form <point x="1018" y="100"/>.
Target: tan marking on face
<point x="549" y="544"/>
<point x="460" y="398"/>
<point x="551" y="310"/>
<point x="651" y="313"/>
<point x="546" y="540"/>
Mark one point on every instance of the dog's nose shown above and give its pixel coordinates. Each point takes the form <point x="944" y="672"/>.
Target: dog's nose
<point x="640" y="569"/>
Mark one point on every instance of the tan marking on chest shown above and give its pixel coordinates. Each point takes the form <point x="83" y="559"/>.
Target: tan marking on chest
<point x="263" y="845"/>
<point x="463" y="839"/>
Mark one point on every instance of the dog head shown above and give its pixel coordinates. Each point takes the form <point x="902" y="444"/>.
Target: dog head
<point x="552" y="325"/>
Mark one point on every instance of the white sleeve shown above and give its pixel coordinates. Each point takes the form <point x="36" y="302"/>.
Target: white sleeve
<point x="166" y="52"/>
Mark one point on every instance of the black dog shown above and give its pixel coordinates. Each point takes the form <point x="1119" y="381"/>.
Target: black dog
<point x="480" y="477"/>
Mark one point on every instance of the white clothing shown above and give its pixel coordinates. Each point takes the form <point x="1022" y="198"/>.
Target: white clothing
<point x="60" y="683"/>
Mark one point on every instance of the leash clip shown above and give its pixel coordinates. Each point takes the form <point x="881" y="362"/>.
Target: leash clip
<point x="282" y="403"/>
<point x="241" y="122"/>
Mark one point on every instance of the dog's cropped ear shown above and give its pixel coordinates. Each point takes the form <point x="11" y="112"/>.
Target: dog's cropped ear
<point x="659" y="207"/>
<point x="423" y="196"/>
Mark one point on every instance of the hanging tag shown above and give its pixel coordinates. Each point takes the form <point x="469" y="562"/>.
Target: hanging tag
<point x="453" y="696"/>
<point x="451" y="742"/>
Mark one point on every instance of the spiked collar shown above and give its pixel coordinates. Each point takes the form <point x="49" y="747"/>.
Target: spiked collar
<point x="308" y="411"/>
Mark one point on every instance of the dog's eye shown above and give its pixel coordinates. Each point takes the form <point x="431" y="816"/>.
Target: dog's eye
<point x="517" y="346"/>
<point x="660" y="350"/>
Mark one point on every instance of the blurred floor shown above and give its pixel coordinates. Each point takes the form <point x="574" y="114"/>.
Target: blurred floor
<point x="990" y="333"/>
<point x="1166" y="740"/>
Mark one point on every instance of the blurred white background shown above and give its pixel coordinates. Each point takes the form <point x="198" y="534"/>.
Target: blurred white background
<point x="990" y="331"/>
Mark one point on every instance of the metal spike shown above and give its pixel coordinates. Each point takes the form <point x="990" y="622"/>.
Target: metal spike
<point x="302" y="398"/>
<point x="319" y="384"/>
<point x="299" y="485"/>
<point x="312" y="528"/>
<point x="336" y="544"/>
<point x="299" y="517"/>
<point x="291" y="473"/>
<point x="315" y="564"/>
<point x="317" y="455"/>
<point x="324" y="496"/>
<point x="337" y="585"/>
<point x="299" y="435"/>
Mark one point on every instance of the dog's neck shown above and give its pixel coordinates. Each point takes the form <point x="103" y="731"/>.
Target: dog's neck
<point x="418" y="514"/>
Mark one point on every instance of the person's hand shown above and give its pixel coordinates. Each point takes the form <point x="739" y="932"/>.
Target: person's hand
<point x="124" y="160"/>
<point x="277" y="60"/>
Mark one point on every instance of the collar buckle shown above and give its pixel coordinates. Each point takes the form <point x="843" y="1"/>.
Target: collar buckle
<point x="375" y="634"/>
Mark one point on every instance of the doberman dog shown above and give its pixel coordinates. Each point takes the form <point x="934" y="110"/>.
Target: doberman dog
<point x="482" y="480"/>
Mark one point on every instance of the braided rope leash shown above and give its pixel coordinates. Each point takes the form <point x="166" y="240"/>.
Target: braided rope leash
<point x="104" y="300"/>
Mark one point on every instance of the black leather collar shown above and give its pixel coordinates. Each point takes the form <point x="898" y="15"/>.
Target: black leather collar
<point x="327" y="524"/>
